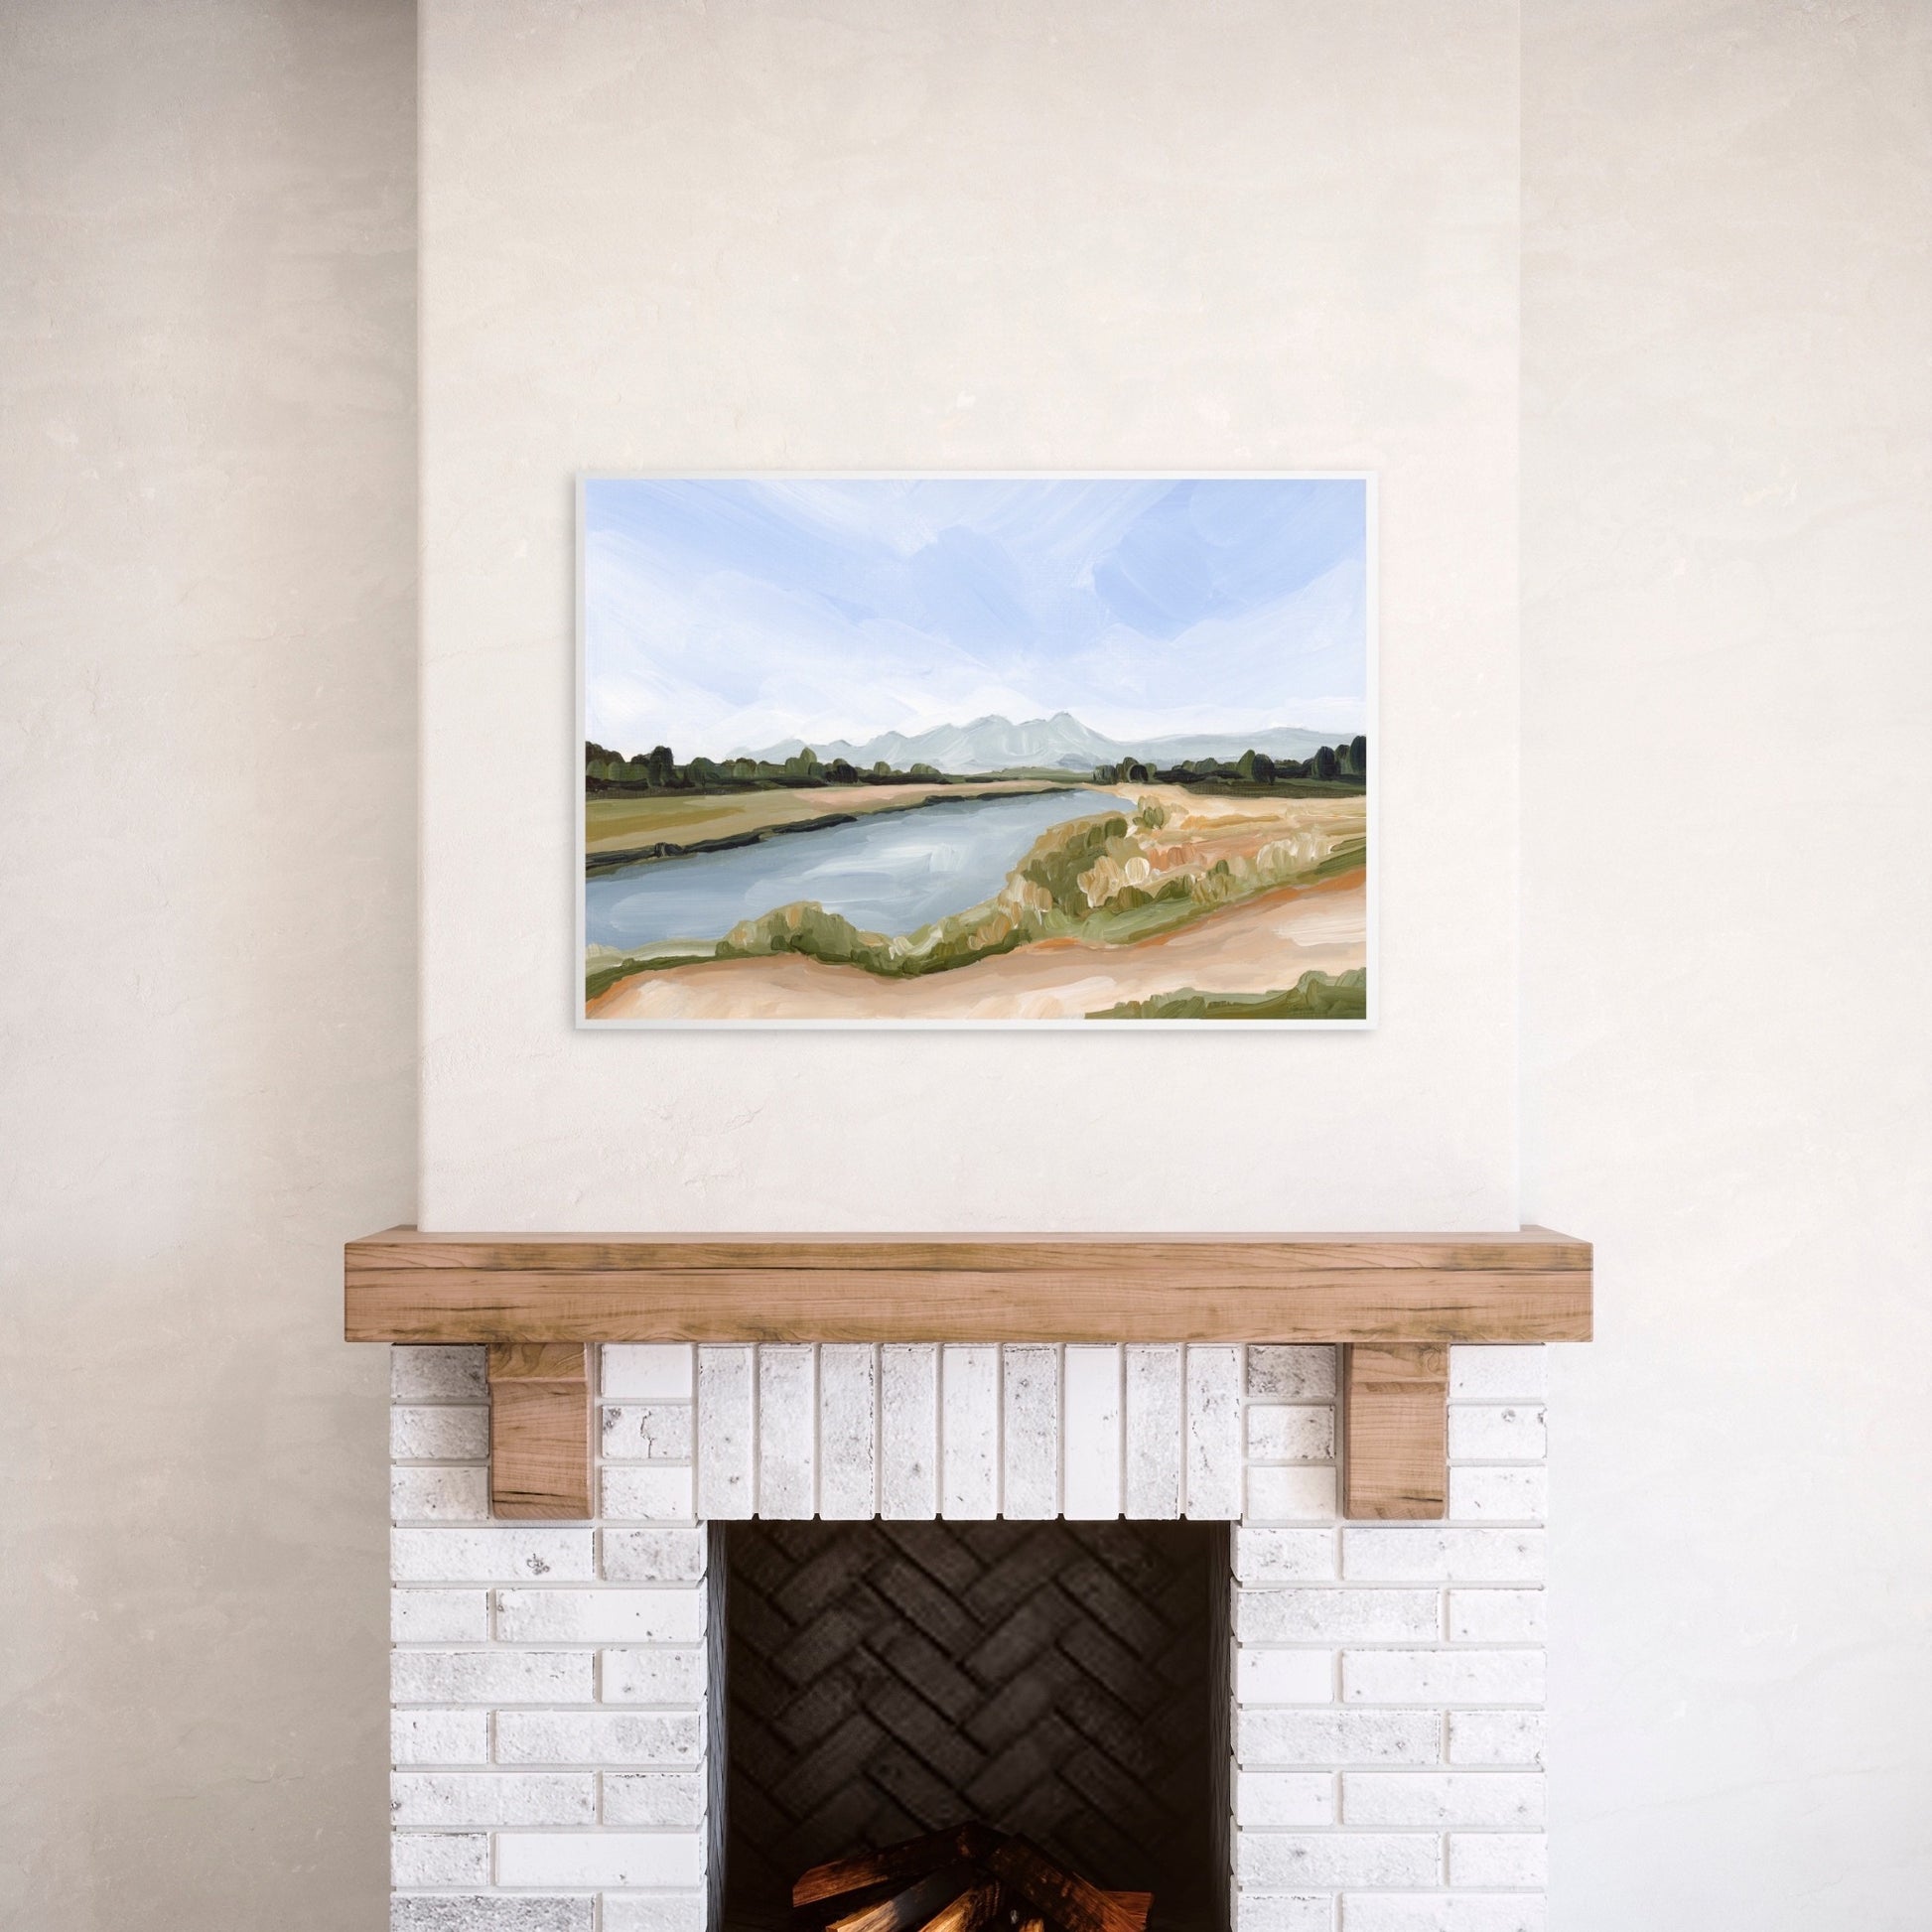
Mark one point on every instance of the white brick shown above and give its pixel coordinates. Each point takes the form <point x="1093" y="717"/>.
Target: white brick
<point x="1294" y="1861"/>
<point x="1029" y="1432"/>
<point x="1421" y="1553"/>
<point x="787" y="1482"/>
<point x="667" y="1737"/>
<point x="1295" y="1372"/>
<point x="1264" y="1677"/>
<point x="671" y="1615"/>
<point x="1495" y="1737"/>
<point x="491" y="1676"/>
<point x="1284" y="1434"/>
<point x="423" y="1494"/>
<point x="1496" y="1615"/>
<point x="1337" y="1615"/>
<point x="652" y="1676"/>
<point x="1498" y="1861"/>
<point x="653" y="1556"/>
<point x="1092" y="1444"/>
<point x="725" y="1435"/>
<point x="1264" y="1911"/>
<point x="437" y="1374"/>
<point x="664" y="1800"/>
<point x="649" y="1492"/>
<point x="439" y="1615"/>
<point x="509" y="1553"/>
<point x="1506" y="1800"/>
<point x="1291" y="1492"/>
<point x="1461" y="1912"/>
<point x="439" y="1737"/>
<point x="1154" y="1432"/>
<point x="599" y="1859"/>
<point x="1488" y="1433"/>
<point x="484" y="1800"/>
<point x="664" y="1911"/>
<point x="1284" y="1801"/>
<point x="647" y="1432"/>
<point x="969" y="1431"/>
<point x="1290" y="1791"/>
<point x="1324" y="1737"/>
<point x="1499" y="1495"/>
<point x="648" y="1371"/>
<point x="439" y="1858"/>
<point x="1511" y="1372"/>
<point x="1441" y="1677"/>
<point x="442" y="1435"/>
<point x="909" y="1431"/>
<point x="484" y="1912"/>
<point x="1213" y="1482"/>
<point x="1264" y="1556"/>
<point x="847" y="1387"/>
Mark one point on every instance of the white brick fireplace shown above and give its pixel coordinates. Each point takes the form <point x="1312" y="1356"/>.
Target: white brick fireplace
<point x="550" y="1678"/>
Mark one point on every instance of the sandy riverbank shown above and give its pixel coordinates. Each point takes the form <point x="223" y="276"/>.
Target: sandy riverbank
<point x="1256" y="946"/>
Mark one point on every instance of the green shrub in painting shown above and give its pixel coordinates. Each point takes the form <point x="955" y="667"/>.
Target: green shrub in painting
<point x="1314" y="996"/>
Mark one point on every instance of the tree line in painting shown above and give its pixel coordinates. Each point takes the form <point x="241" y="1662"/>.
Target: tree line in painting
<point x="1345" y="764"/>
<point x="608" y="772"/>
<point x="657" y="771"/>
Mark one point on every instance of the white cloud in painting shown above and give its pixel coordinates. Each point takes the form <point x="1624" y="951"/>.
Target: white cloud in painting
<point x="723" y="616"/>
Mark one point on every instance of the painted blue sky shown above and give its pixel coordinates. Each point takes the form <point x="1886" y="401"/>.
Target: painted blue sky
<point x="727" y="615"/>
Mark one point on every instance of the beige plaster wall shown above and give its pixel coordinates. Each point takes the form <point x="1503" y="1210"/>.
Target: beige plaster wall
<point x="1727" y="917"/>
<point x="207" y="947"/>
<point x="874" y="235"/>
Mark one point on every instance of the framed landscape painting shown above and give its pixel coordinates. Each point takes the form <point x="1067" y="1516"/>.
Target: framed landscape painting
<point x="1089" y="751"/>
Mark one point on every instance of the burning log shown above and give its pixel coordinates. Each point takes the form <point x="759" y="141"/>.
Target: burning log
<point x="966" y="1879"/>
<point x="1062" y="1899"/>
<point x="912" y="1857"/>
<point x="921" y="1905"/>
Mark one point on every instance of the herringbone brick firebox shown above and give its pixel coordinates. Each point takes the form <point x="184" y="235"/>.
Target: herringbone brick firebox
<point x="1059" y="1679"/>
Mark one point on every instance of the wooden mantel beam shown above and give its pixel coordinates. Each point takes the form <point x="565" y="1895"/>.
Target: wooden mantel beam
<point x="1392" y="1302"/>
<point x="1531" y="1286"/>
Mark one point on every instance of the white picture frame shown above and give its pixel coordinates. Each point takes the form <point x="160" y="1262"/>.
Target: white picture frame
<point x="1367" y="1018"/>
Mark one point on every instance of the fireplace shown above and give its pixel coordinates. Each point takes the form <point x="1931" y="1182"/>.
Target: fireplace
<point x="1067" y="1681"/>
<point x="675" y="1619"/>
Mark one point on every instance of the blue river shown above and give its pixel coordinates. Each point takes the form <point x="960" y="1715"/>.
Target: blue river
<point x="890" y="871"/>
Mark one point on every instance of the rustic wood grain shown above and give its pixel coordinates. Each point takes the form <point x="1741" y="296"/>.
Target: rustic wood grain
<point x="1394" y="1422"/>
<point x="538" y="1361"/>
<point x="912" y="1857"/>
<point x="906" y="1910"/>
<point x="969" y="1912"/>
<point x="1530" y="1285"/>
<point x="540" y="1430"/>
<point x="1532" y="1247"/>
<point x="1061" y="1897"/>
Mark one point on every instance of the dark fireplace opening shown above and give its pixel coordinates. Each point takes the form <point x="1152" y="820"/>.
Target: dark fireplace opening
<point x="1067" y="1681"/>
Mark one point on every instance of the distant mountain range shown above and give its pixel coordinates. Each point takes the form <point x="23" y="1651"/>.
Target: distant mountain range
<point x="1060" y="742"/>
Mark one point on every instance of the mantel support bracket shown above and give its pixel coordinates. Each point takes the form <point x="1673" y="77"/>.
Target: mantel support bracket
<point x="1395" y="1431"/>
<point x="540" y="1414"/>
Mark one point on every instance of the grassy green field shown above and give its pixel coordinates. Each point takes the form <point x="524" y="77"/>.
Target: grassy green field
<point x="1314" y="996"/>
